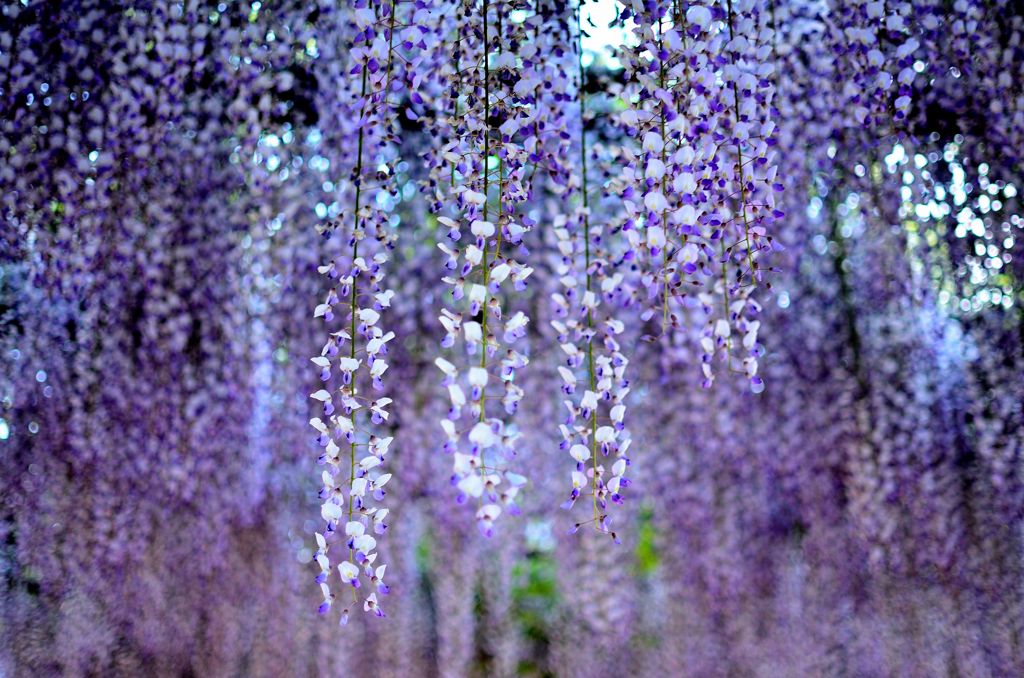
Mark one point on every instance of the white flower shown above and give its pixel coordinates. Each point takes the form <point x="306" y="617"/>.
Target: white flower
<point x="380" y="446"/>
<point x="457" y="396"/>
<point x="653" y="142"/>
<point x="354" y="528"/>
<point x="477" y="294"/>
<point x="330" y="511"/>
<point x="378" y="369"/>
<point x="515" y="231"/>
<point x="500" y="272"/>
<point x="370" y="605"/>
<point x="570" y="349"/>
<point x="580" y="453"/>
<point x="374" y="346"/>
<point x="378" y="407"/>
<point x="517" y="322"/>
<point x="698" y="16"/>
<point x="332" y="448"/>
<point x="483" y="435"/>
<point x="452" y="254"/>
<point x="655" y="202"/>
<point x="617" y="413"/>
<point x="655" y="236"/>
<point x="750" y="338"/>
<point x="655" y="169"/>
<point x="488" y="512"/>
<point x="446" y="367"/>
<point x="522" y="274"/>
<point x="472" y="485"/>
<point x="369" y="462"/>
<point x="358" y="487"/>
<point x="364" y="543"/>
<point x="477" y="377"/>
<point x="349" y="364"/>
<point x="465" y="464"/>
<point x="368" y="316"/>
<point x="483" y="229"/>
<point x="349" y="572"/>
<point x="474" y="333"/>
<point x="474" y="254"/>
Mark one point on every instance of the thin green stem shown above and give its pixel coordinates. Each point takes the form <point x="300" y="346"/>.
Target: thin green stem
<point x="591" y="375"/>
<point x="487" y="151"/>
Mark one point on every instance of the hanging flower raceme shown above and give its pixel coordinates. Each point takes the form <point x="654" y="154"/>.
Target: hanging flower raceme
<point x="874" y="46"/>
<point x="593" y="373"/>
<point x="353" y="361"/>
<point x="481" y="173"/>
<point x="699" y="190"/>
<point x="746" y="190"/>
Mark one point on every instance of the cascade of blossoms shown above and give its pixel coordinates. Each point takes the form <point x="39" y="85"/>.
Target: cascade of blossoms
<point x="700" y="191"/>
<point x="128" y="131"/>
<point x="355" y="353"/>
<point x="874" y="45"/>
<point x="749" y="185"/>
<point x="593" y="373"/>
<point x="162" y="168"/>
<point x="981" y="78"/>
<point x="482" y="171"/>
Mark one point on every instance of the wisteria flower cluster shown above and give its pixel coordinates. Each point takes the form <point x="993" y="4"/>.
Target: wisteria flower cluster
<point x="302" y="304"/>
<point x="700" y="190"/>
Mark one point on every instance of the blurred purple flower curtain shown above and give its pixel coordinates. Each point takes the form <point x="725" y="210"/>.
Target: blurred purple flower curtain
<point x="517" y="337"/>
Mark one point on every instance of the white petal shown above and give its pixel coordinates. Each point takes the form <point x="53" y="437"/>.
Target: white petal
<point x="354" y="528"/>
<point x="477" y="376"/>
<point x="348" y="571"/>
<point x="483" y="229"/>
<point x="698" y="16"/>
<point x="364" y="543"/>
<point x="579" y="452"/>
<point x="482" y="435"/>
<point x="446" y="367"/>
<point x="330" y="511"/>
<point x="472" y="485"/>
